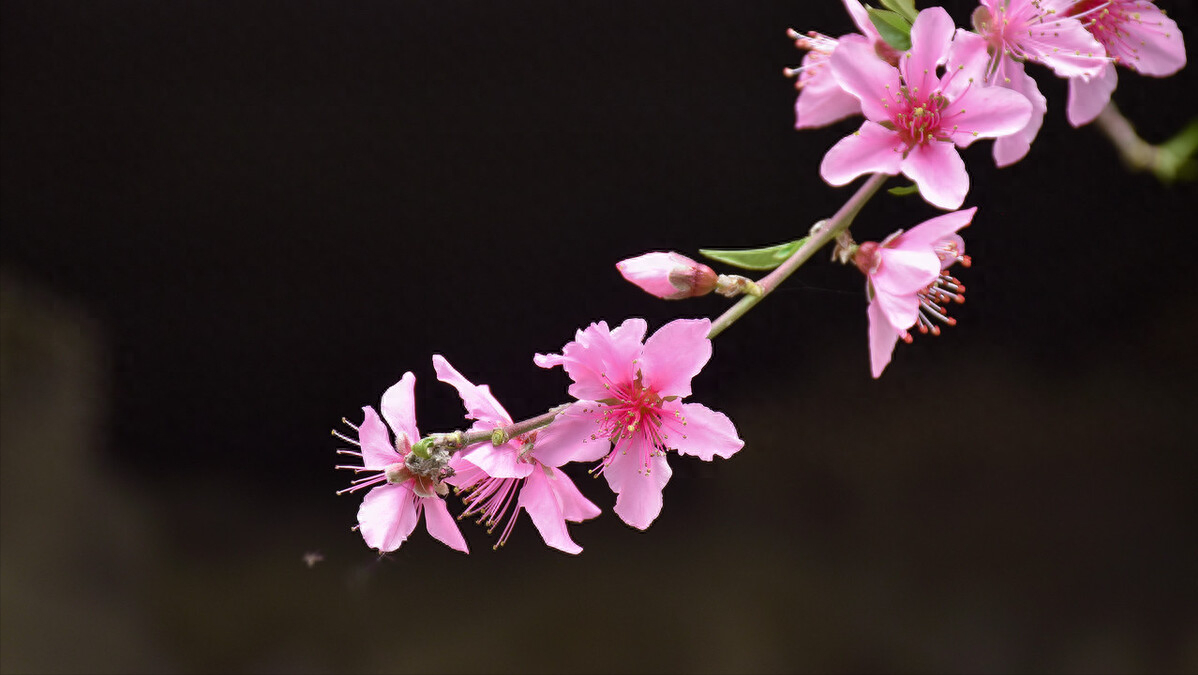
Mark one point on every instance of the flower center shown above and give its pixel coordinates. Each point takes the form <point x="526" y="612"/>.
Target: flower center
<point x="632" y="419"/>
<point x="919" y="120"/>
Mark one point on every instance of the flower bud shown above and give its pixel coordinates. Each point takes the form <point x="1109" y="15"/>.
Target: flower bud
<point x="670" y="276"/>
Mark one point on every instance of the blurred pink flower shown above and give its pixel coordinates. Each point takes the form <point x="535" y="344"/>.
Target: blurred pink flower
<point x="1135" y="33"/>
<point x="491" y="475"/>
<point x="1027" y="30"/>
<point x="670" y="276"/>
<point x="401" y="490"/>
<point x="907" y="283"/>
<point x="914" y="116"/>
<point x="629" y="393"/>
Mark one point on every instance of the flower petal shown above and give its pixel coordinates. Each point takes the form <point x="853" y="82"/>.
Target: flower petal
<point x="861" y="73"/>
<point x="966" y="66"/>
<point x="927" y="234"/>
<point x="701" y="431"/>
<point x="1155" y="44"/>
<point x="598" y="357"/>
<point x="537" y="498"/>
<point x="638" y="500"/>
<point x="568" y="436"/>
<point x="675" y="354"/>
<point x="904" y="271"/>
<point x="871" y="149"/>
<point x="399" y="408"/>
<point x="987" y="112"/>
<point x="1087" y="98"/>
<point x="441" y="525"/>
<point x="1064" y="45"/>
<point x="1013" y="147"/>
<point x="377" y="451"/>
<point x="861" y="19"/>
<point x="498" y="462"/>
<point x="387" y="516"/>
<point x="939" y="171"/>
<point x="882" y="338"/>
<point x="575" y="507"/>
<point x="931" y="35"/>
<point x="480" y="403"/>
<point x="821" y="101"/>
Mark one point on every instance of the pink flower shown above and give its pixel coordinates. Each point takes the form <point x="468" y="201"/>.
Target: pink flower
<point x="629" y="394"/>
<point x="524" y="468"/>
<point x="1027" y="30"/>
<point x="821" y="101"/>
<point x="907" y="283"/>
<point x="405" y="484"/>
<point x="670" y="276"/>
<point x="915" y="117"/>
<point x="1135" y="33"/>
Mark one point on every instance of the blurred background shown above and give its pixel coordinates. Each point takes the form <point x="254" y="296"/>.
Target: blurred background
<point x="227" y="225"/>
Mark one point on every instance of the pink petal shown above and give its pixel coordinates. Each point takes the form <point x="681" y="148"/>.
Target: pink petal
<point x="598" y="357"/>
<point x="1088" y="98"/>
<point x="568" y="437"/>
<point x="480" y="404"/>
<point x="968" y="59"/>
<point x="986" y="112"/>
<point x="882" y="338"/>
<point x="706" y="433"/>
<point x="861" y="73"/>
<point x="931" y="35"/>
<point x="575" y="507"/>
<point x="441" y="525"/>
<point x="861" y="19"/>
<point x="399" y="407"/>
<point x="675" y="354"/>
<point x="377" y="451"/>
<point x="927" y="234"/>
<point x="537" y="498"/>
<point x="1012" y="148"/>
<point x="387" y="516"/>
<point x="905" y="271"/>
<point x="872" y="149"/>
<point x="821" y="101"/>
<point x="1064" y="45"/>
<point x="939" y="172"/>
<point x="498" y="462"/>
<point x="1157" y="45"/>
<point x="638" y="500"/>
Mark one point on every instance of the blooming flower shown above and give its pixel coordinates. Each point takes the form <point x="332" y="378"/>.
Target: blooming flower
<point x="670" y="276"/>
<point x="522" y="467"/>
<point x="821" y="101"/>
<point x="629" y="393"/>
<point x="403" y="483"/>
<point x="1027" y="30"/>
<point x="1135" y="33"/>
<point x="915" y="117"/>
<point x="907" y="282"/>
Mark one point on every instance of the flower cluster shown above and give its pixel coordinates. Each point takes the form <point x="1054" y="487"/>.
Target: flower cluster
<point x="925" y="89"/>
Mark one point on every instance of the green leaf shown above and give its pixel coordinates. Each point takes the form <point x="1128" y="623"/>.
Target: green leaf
<point x="904" y="190"/>
<point x="755" y="258"/>
<point x="904" y="7"/>
<point x="893" y="28"/>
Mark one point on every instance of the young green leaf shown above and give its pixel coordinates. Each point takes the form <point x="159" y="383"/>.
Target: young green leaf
<point x="904" y="7"/>
<point x="904" y="190"/>
<point x="755" y="258"/>
<point x="893" y="28"/>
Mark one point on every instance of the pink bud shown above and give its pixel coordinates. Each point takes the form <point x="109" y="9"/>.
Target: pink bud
<point x="671" y="276"/>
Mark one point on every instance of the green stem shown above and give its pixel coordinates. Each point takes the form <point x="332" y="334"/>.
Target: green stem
<point x="832" y="227"/>
<point x="461" y="439"/>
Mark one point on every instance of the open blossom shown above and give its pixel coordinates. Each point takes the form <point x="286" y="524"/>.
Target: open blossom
<point x="908" y="284"/>
<point x="629" y="411"/>
<point x="916" y="118"/>
<point x="1028" y="30"/>
<point x="821" y="101"/>
<point x="670" y="276"/>
<point x="520" y="474"/>
<point x="1135" y="33"/>
<point x="403" y="484"/>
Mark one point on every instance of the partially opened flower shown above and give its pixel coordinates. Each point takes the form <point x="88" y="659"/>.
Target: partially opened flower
<point x="1135" y="33"/>
<point x="908" y="284"/>
<point x="670" y="276"/>
<point x="403" y="484"/>
<point x="821" y="100"/>
<point x="1026" y="30"/>
<point x="629" y="411"/>
<point x="520" y="474"/>
<point x="915" y="117"/>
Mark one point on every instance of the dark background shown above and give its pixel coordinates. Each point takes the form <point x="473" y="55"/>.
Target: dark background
<point x="226" y="225"/>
